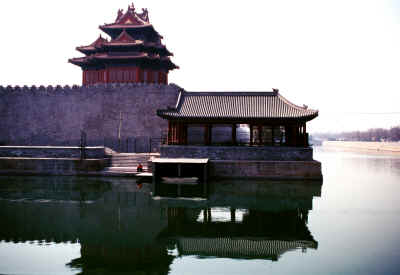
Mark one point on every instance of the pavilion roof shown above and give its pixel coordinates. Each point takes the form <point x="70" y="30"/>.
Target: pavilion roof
<point x="236" y="106"/>
<point x="129" y="20"/>
<point x="92" y="47"/>
<point x="129" y="56"/>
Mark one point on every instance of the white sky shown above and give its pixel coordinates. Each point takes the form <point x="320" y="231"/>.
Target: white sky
<point x="341" y="57"/>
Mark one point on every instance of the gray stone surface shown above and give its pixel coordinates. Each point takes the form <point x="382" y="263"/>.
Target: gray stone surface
<point x="278" y="153"/>
<point x="50" y="152"/>
<point x="49" y="166"/>
<point x="278" y="170"/>
<point x="56" y="115"/>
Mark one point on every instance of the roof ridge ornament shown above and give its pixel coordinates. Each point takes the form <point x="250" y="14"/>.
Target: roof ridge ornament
<point x="144" y="15"/>
<point x="131" y="8"/>
<point x="120" y="14"/>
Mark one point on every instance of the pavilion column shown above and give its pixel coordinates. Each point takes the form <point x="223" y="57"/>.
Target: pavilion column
<point x="259" y="134"/>
<point x="234" y="134"/>
<point x="305" y="135"/>
<point x="174" y="133"/>
<point x="178" y="133"/>
<point x="299" y="141"/>
<point x="210" y="134"/>
<point x="184" y="133"/>
<point x="251" y="134"/>
<point x="272" y="135"/>
<point x="207" y="134"/>
<point x="169" y="134"/>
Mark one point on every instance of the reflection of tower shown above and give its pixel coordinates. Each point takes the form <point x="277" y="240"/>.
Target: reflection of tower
<point x="119" y="234"/>
<point x="115" y="225"/>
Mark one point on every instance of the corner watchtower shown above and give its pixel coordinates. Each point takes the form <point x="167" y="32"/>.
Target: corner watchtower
<point x="133" y="54"/>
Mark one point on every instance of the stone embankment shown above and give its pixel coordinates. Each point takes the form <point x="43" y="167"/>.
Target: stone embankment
<point x="363" y="146"/>
<point x="70" y="161"/>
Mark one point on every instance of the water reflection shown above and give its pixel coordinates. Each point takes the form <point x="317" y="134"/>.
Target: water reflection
<point x="123" y="229"/>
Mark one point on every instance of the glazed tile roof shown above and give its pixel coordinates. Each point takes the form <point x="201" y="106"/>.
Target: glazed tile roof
<point x="236" y="106"/>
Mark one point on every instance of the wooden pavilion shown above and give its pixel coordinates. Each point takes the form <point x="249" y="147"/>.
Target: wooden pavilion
<point x="220" y="117"/>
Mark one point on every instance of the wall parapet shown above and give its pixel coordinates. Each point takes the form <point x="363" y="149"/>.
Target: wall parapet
<point x="275" y="153"/>
<point x="60" y="89"/>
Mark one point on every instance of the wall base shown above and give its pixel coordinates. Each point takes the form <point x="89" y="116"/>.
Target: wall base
<point x="279" y="170"/>
<point x="49" y="166"/>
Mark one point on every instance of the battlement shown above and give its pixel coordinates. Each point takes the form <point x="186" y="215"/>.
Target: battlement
<point x="81" y="88"/>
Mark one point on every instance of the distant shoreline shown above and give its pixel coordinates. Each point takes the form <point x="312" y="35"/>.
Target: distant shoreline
<point x="387" y="148"/>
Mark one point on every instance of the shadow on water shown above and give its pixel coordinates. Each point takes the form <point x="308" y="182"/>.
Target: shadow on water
<point x="124" y="229"/>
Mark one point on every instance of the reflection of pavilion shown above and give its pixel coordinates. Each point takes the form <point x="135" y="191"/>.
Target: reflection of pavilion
<point x="125" y="230"/>
<point x="257" y="234"/>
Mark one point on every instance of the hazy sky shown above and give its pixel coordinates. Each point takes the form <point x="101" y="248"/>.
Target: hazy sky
<point x="341" y="57"/>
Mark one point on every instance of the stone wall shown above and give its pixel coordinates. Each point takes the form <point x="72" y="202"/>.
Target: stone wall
<point x="48" y="166"/>
<point x="278" y="153"/>
<point x="279" y="170"/>
<point x="50" y="152"/>
<point x="56" y="115"/>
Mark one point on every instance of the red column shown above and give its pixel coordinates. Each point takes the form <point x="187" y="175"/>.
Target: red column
<point x="83" y="77"/>
<point x="169" y="133"/>
<point x="251" y="134"/>
<point x="185" y="134"/>
<point x="272" y="135"/>
<point x="207" y="134"/>
<point x="173" y="133"/>
<point x="234" y="134"/>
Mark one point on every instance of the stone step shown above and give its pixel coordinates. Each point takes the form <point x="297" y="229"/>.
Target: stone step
<point x="122" y="170"/>
<point x="125" y="165"/>
<point x="137" y="160"/>
<point x="131" y="160"/>
<point x="127" y="160"/>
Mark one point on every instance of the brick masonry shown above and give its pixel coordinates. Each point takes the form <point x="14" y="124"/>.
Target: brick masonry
<point x="44" y="166"/>
<point x="288" y="170"/>
<point x="50" y="152"/>
<point x="56" y="115"/>
<point x="277" y="153"/>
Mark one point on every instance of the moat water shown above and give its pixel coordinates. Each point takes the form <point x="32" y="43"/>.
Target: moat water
<point x="348" y="225"/>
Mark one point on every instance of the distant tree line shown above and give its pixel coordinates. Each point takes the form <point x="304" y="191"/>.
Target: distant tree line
<point x="376" y="134"/>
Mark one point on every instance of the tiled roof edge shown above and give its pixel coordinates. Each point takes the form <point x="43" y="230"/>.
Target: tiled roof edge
<point x="231" y="93"/>
<point x="296" y="106"/>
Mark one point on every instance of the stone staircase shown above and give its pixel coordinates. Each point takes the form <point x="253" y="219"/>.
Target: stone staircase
<point x="126" y="163"/>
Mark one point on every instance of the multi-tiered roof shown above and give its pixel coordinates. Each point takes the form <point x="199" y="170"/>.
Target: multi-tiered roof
<point x="133" y="54"/>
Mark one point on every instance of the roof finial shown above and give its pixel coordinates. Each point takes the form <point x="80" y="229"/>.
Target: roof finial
<point x="144" y="15"/>
<point x="120" y="13"/>
<point x="131" y="8"/>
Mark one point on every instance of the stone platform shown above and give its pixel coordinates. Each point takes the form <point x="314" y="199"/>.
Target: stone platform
<point x="259" y="162"/>
<point x="274" y="170"/>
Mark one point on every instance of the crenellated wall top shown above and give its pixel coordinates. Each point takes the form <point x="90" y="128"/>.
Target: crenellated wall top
<point x="63" y="89"/>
